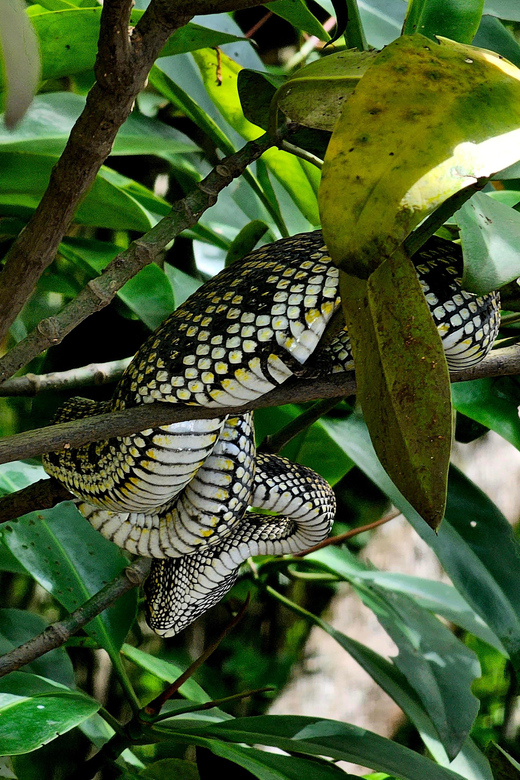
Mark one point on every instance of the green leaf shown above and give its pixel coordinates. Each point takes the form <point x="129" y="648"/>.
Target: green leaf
<point x="452" y="19"/>
<point x="110" y="203"/>
<point x="148" y="294"/>
<point x="470" y="762"/>
<point x="504" y="766"/>
<point x="437" y="597"/>
<point x="504" y="9"/>
<point x="299" y="178"/>
<point x="183" y="284"/>
<point x="176" y="95"/>
<point x="21" y="60"/>
<point x="68" y="558"/>
<point x="170" y="769"/>
<point x="18" y="474"/>
<point x="403" y="381"/>
<point x="490" y="236"/>
<point x="34" y="711"/>
<point x="246" y="240"/>
<point x="322" y="737"/>
<point x="270" y="766"/>
<point x="437" y="665"/>
<point x="485" y="401"/>
<point x="165" y="671"/>
<point x="425" y="121"/>
<point x="68" y="39"/>
<point x="297" y="13"/>
<point x="475" y="543"/>
<point x="313" y="447"/>
<point x="18" y="626"/>
<point x="443" y="687"/>
<point x="315" y="95"/>
<point x="47" y="124"/>
<point x="492" y="34"/>
<point x="256" y="90"/>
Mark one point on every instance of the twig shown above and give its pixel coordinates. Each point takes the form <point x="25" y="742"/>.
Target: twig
<point x="340" y="538"/>
<point x="313" y="159"/>
<point x="275" y="442"/>
<point x="100" y="291"/>
<point x="58" y="633"/>
<point x="93" y="374"/>
<point x="154" y="707"/>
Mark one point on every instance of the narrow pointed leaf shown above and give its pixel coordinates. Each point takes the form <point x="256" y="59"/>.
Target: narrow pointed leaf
<point x="475" y="543"/>
<point x="166" y="671"/>
<point x="297" y="13"/>
<point x="272" y="766"/>
<point x="299" y="178"/>
<point x="322" y="737"/>
<point x="425" y="121"/>
<point x="403" y="381"/>
<point x="68" y="39"/>
<point x="470" y="762"/>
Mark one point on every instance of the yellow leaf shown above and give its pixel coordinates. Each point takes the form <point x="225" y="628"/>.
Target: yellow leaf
<point x="425" y="121"/>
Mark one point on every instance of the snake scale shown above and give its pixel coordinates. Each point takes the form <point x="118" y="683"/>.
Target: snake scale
<point x="181" y="493"/>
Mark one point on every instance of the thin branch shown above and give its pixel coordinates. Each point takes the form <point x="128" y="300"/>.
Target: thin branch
<point x="333" y="541"/>
<point x="58" y="633"/>
<point x="275" y="442"/>
<point x="154" y="707"/>
<point x="100" y="291"/>
<point x="122" y="66"/>
<point x="85" y="376"/>
<point x="139" y="418"/>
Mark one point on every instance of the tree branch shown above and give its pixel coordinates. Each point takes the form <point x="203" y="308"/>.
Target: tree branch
<point x="43" y="494"/>
<point x="100" y="291"/>
<point x="139" y="418"/>
<point x="58" y="633"/>
<point x="85" y="376"/>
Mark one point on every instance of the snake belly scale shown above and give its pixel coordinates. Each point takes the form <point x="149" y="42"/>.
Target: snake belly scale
<point x="181" y="493"/>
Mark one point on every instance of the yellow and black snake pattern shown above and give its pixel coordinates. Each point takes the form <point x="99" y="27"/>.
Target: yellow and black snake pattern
<point x="181" y="493"/>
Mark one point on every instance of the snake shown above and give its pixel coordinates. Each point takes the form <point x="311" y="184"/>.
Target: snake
<point x="196" y="496"/>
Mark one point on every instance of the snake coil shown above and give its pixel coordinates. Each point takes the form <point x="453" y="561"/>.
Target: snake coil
<point x="181" y="493"/>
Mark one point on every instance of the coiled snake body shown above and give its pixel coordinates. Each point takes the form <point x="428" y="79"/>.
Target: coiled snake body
<point x="180" y="493"/>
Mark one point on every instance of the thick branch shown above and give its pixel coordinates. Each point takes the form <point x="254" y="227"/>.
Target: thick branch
<point x="100" y="291"/>
<point x="58" y="633"/>
<point x="122" y="66"/>
<point x="43" y="494"/>
<point x="128" y="421"/>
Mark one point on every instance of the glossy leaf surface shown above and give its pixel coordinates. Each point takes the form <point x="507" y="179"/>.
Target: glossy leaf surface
<point x="475" y="544"/>
<point x="73" y="562"/>
<point x="34" y="711"/>
<point x="322" y="737"/>
<point x="490" y="237"/>
<point x="452" y="19"/>
<point x="315" y="95"/>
